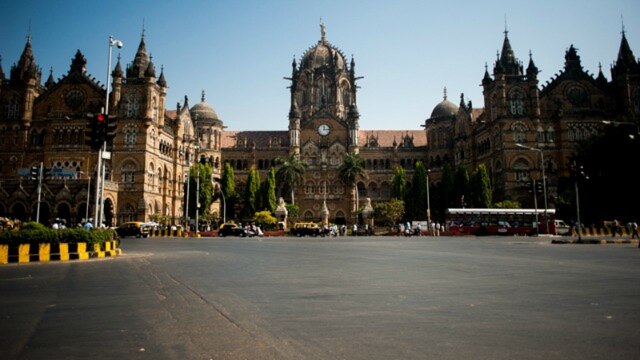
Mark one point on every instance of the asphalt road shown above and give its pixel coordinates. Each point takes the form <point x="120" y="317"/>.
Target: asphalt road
<point x="328" y="298"/>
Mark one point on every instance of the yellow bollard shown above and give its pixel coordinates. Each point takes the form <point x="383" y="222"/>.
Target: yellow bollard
<point x="64" y="251"/>
<point x="4" y="254"/>
<point x="44" y="252"/>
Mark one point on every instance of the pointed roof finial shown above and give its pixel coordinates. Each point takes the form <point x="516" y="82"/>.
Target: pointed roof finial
<point x="322" y="31"/>
<point x="505" y="26"/>
<point x="202" y="98"/>
<point x="622" y="21"/>
<point x="445" y="93"/>
<point x="143" y="28"/>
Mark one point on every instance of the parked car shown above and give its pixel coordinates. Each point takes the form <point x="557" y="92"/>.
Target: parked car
<point x="134" y="228"/>
<point x="232" y="230"/>
<point x="305" y="229"/>
<point x="562" y="228"/>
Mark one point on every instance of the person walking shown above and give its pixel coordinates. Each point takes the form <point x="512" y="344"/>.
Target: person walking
<point x="614" y="228"/>
<point x="634" y="230"/>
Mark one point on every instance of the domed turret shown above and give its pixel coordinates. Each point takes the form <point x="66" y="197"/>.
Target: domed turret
<point x="203" y="113"/>
<point x="444" y="109"/>
<point x="323" y="56"/>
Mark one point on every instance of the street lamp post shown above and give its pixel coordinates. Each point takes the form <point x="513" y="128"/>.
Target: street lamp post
<point x="544" y="182"/>
<point x="99" y="211"/>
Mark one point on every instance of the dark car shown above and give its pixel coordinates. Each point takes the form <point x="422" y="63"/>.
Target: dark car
<point x="232" y="231"/>
<point x="134" y="228"/>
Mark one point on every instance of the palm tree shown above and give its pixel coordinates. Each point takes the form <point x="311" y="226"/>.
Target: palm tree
<point x="290" y="172"/>
<point x="351" y="170"/>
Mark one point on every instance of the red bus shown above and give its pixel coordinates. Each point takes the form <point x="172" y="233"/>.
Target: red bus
<point x="500" y="221"/>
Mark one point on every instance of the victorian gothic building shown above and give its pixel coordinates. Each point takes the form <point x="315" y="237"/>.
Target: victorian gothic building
<point x="154" y="146"/>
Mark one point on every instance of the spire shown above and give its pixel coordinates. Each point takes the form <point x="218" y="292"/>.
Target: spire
<point x="601" y="79"/>
<point x="572" y="60"/>
<point x="117" y="72"/>
<point x="506" y="62"/>
<point x="445" y="94"/>
<point x="486" y="79"/>
<point x="78" y="64"/>
<point x="26" y="67"/>
<point x="140" y="62"/>
<point x="161" y="80"/>
<point x="532" y="70"/>
<point x="150" y="72"/>
<point x="50" y="81"/>
<point x="202" y="97"/>
<point x="625" y="55"/>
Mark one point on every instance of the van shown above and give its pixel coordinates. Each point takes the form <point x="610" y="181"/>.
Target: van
<point x="561" y="227"/>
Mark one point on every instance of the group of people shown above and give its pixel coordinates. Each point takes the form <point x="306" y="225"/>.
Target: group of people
<point x="433" y="229"/>
<point x="632" y="228"/>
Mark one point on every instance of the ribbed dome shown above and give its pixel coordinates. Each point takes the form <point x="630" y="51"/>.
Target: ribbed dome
<point x="445" y="108"/>
<point x="203" y="112"/>
<point x="323" y="54"/>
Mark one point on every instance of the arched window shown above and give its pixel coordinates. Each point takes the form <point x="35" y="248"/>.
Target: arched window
<point x="130" y="135"/>
<point x="132" y="105"/>
<point x="128" y="171"/>
<point x="517" y="99"/>
<point x="522" y="168"/>
<point x="519" y="132"/>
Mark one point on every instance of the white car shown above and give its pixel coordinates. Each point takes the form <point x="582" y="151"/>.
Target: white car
<point x="562" y="228"/>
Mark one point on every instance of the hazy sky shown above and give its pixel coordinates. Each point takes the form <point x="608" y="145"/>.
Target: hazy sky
<point x="239" y="51"/>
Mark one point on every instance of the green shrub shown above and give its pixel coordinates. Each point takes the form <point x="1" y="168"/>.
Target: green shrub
<point x="39" y="234"/>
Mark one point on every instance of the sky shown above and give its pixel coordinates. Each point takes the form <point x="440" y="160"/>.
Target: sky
<point x="238" y="52"/>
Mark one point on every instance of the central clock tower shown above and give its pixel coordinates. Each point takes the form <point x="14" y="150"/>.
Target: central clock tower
<point x="323" y="127"/>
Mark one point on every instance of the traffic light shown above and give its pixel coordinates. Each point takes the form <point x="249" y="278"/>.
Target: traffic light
<point x="96" y="131"/>
<point x="111" y="128"/>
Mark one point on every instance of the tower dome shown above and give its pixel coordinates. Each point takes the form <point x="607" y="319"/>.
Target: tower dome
<point x="444" y="109"/>
<point x="322" y="55"/>
<point x="203" y="113"/>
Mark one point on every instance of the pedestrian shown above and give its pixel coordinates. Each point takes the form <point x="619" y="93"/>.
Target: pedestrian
<point x="88" y="225"/>
<point x="614" y="227"/>
<point x="634" y="230"/>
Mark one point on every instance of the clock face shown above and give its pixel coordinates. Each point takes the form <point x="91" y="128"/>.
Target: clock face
<point x="324" y="129"/>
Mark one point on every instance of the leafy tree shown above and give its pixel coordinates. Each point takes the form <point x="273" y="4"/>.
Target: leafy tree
<point x="480" y="188"/>
<point x="293" y="211"/>
<point x="290" y="173"/>
<point x="351" y="170"/>
<point x="251" y="193"/>
<point x="265" y="219"/>
<point x="390" y="211"/>
<point x="399" y="184"/>
<point x="461" y="191"/>
<point x="228" y="186"/>
<point x="205" y="195"/>
<point x="268" y="191"/>
<point x="417" y="207"/>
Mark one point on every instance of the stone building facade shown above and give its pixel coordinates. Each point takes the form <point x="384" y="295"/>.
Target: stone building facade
<point x="154" y="146"/>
